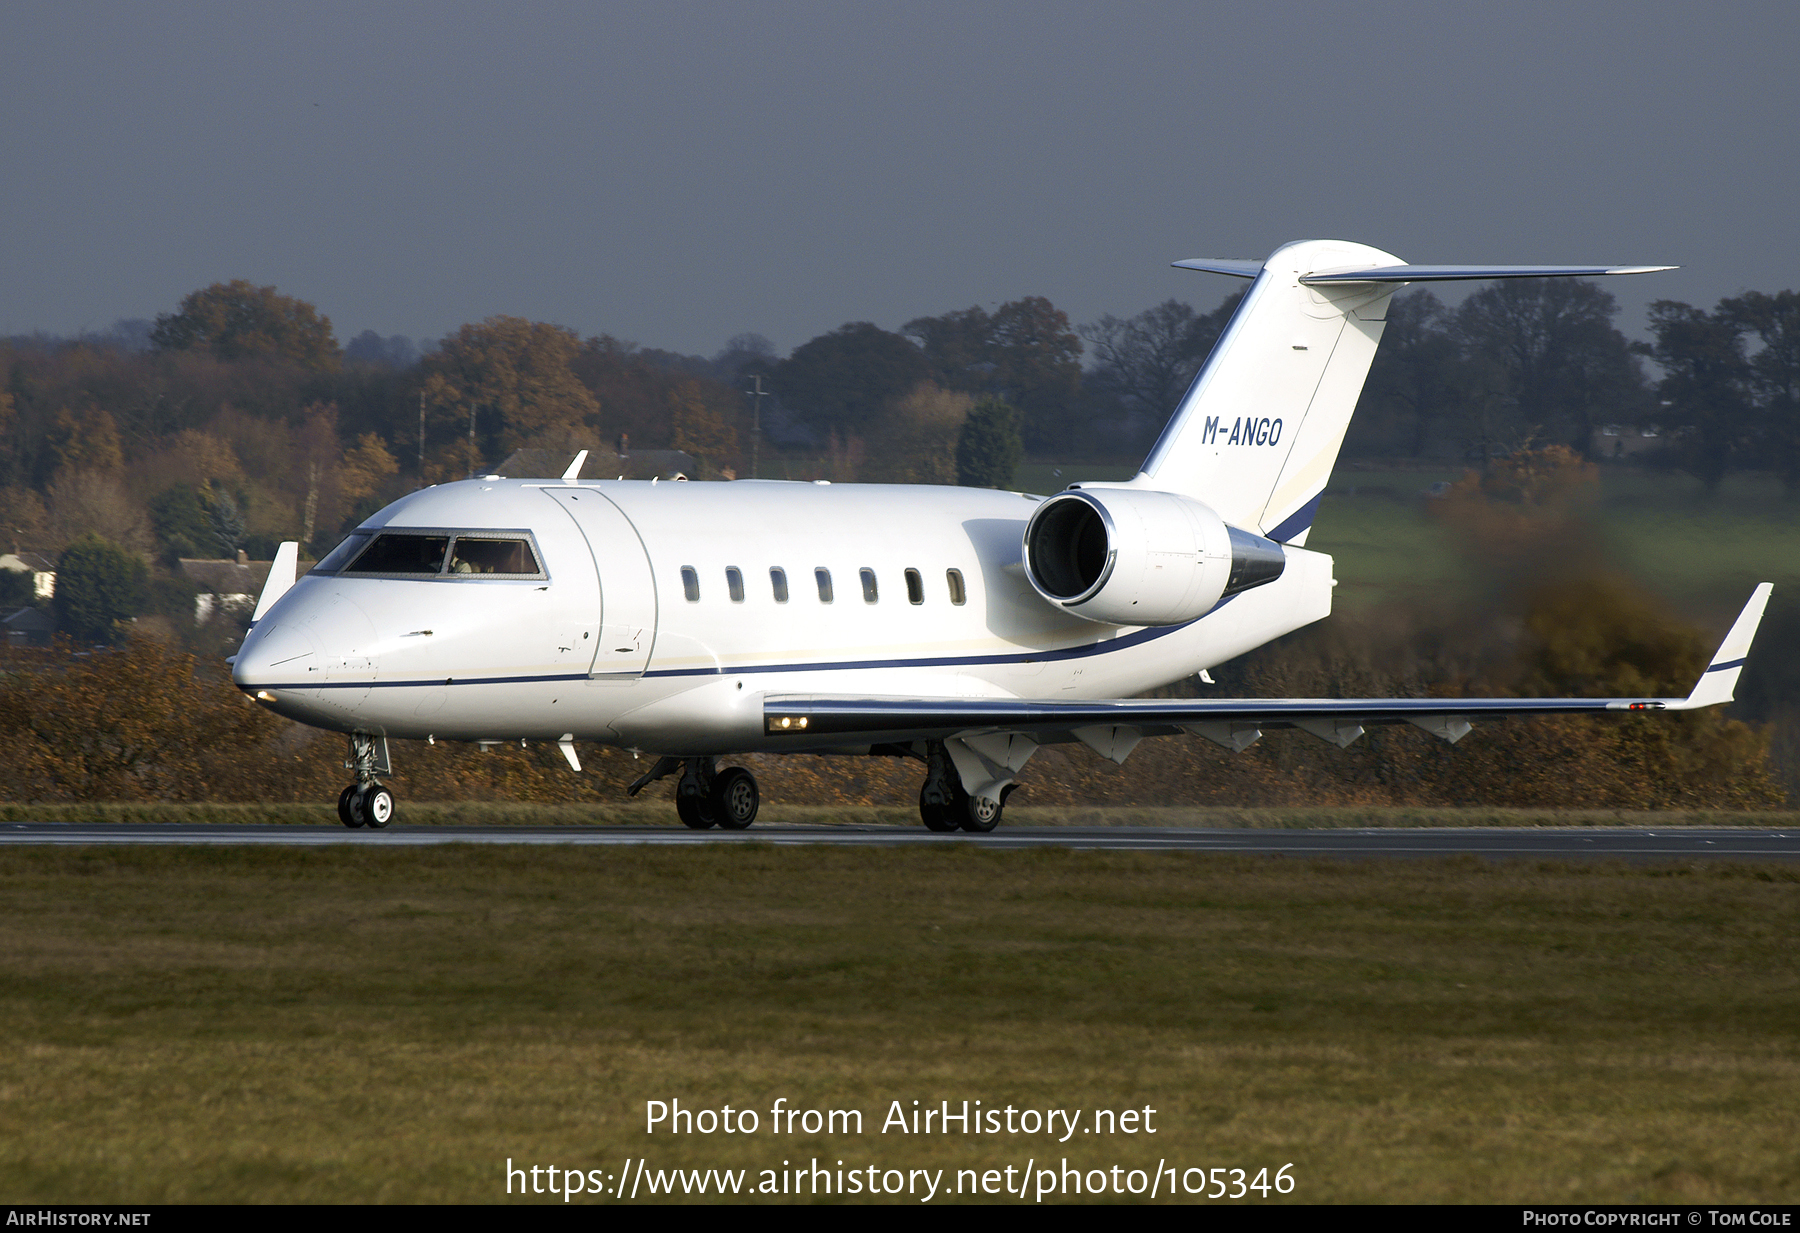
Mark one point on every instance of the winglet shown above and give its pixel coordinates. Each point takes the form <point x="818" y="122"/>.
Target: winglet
<point x="574" y="471"/>
<point x="282" y="572"/>
<point x="1720" y="678"/>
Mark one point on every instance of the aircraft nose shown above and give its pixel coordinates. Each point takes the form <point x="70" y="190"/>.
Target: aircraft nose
<point x="285" y="654"/>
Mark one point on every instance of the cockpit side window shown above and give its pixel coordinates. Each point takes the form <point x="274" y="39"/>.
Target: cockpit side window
<point x="348" y="547"/>
<point x="486" y="555"/>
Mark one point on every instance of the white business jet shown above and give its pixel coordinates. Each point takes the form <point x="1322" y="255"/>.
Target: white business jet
<point x="961" y="627"/>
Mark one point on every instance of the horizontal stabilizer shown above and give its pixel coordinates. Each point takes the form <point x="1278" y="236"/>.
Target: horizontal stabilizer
<point x="1419" y="273"/>
<point x="1237" y="268"/>
<point x="1458" y="273"/>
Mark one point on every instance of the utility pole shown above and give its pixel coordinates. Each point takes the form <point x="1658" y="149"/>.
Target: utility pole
<point x="756" y="394"/>
<point x="421" y="431"/>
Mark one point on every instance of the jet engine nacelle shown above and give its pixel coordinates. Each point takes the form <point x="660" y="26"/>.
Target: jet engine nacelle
<point x="1129" y="556"/>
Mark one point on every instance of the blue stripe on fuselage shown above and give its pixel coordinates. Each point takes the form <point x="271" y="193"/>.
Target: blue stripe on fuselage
<point x="948" y="661"/>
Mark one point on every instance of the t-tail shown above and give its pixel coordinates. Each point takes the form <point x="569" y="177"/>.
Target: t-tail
<point x="1259" y="429"/>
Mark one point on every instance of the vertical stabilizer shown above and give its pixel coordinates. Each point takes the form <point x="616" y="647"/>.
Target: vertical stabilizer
<point x="1259" y="430"/>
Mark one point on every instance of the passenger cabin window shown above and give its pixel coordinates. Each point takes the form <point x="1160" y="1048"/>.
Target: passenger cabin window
<point x="954" y="578"/>
<point x="778" y="584"/>
<point x="915" y="587"/>
<point x="868" y="581"/>
<point x="734" y="583"/>
<point x="823" y="578"/>
<point x="690" y="584"/>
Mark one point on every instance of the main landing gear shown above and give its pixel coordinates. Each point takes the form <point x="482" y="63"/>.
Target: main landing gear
<point x="707" y="797"/>
<point x="366" y="802"/>
<point x="945" y="805"/>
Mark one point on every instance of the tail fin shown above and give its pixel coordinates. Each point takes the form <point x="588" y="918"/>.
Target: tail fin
<point x="1260" y="428"/>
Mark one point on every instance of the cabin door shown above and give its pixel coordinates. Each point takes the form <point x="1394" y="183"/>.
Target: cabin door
<point x="627" y="592"/>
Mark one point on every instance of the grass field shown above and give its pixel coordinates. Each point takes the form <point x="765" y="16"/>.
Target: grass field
<point x="349" y="1026"/>
<point x="1703" y="553"/>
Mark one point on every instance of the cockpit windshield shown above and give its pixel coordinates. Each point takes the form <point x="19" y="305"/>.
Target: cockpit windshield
<point x="436" y="554"/>
<point x="402" y="554"/>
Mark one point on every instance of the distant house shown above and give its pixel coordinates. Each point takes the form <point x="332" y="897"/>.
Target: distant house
<point x="1623" y="440"/>
<point x="224" y="585"/>
<point x="41" y="568"/>
<point x="26" y="626"/>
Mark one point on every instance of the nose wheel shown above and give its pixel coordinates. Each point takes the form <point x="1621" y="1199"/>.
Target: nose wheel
<point x="369" y="805"/>
<point x="366" y="802"/>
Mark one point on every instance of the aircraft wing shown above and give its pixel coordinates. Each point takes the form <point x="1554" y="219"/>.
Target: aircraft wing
<point x="836" y="720"/>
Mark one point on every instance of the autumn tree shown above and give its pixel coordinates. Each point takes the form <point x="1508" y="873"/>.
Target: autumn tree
<point x="1522" y="506"/>
<point x="237" y="320"/>
<point x="504" y="382"/>
<point x="698" y="429"/>
<point x="916" y="443"/>
<point x="94" y="502"/>
<point x="86" y="440"/>
<point x="366" y="468"/>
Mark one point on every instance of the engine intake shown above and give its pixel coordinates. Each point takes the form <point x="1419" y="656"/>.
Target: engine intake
<point x="1127" y="556"/>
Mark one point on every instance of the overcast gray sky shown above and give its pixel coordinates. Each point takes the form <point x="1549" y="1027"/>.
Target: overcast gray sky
<point x="676" y="173"/>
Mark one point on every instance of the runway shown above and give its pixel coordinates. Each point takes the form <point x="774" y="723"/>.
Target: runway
<point x="1499" y="843"/>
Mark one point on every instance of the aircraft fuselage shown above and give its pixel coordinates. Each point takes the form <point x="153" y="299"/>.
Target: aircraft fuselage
<point x="660" y="614"/>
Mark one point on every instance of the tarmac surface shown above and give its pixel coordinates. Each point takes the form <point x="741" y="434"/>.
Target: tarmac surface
<point x="1527" y="843"/>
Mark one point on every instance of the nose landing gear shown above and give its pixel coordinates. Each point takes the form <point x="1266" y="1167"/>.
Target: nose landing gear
<point x="366" y="802"/>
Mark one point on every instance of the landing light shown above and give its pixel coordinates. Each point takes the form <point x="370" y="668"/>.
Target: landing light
<point x="263" y="695"/>
<point x="787" y="723"/>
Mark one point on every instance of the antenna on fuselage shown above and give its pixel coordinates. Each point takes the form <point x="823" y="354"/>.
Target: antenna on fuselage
<point x="574" y="471"/>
